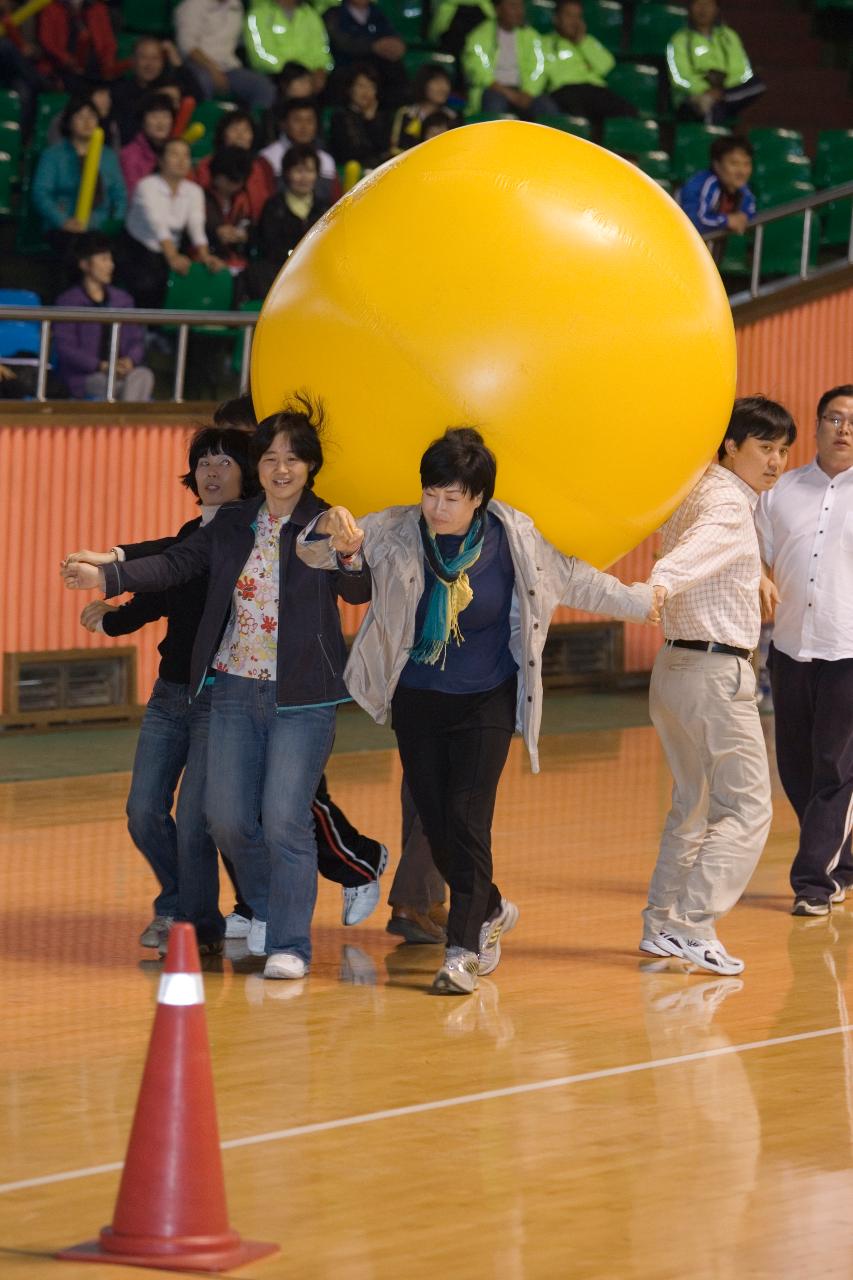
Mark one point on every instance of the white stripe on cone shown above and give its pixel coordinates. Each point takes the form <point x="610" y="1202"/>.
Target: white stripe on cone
<point x="180" y="988"/>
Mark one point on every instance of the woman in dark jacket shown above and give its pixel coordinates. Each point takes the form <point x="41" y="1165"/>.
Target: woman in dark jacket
<point x="270" y="640"/>
<point x="361" y="130"/>
<point x="287" y="216"/>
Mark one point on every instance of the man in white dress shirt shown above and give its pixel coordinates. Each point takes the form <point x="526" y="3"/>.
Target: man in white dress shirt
<point x="805" y="529"/>
<point x="702" y="693"/>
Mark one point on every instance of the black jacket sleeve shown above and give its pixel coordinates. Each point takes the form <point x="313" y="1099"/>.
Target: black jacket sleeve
<point x="355" y="588"/>
<point x="189" y="558"/>
<point x="137" y="613"/>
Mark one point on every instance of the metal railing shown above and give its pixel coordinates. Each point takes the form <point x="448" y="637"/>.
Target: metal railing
<point x="184" y="321"/>
<point x="807" y="206"/>
<point x="115" y="317"/>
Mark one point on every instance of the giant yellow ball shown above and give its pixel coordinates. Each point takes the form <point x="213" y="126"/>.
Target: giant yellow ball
<point x="512" y="277"/>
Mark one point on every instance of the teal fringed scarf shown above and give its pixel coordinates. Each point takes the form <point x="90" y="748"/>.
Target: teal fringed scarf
<point x="451" y="593"/>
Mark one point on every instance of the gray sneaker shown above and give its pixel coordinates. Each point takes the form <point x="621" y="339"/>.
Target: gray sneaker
<point x="360" y="901"/>
<point x="458" y="975"/>
<point x="154" y="933"/>
<point x="490" y="935"/>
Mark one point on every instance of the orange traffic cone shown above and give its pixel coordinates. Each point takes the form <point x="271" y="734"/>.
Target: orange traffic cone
<point x="170" y="1211"/>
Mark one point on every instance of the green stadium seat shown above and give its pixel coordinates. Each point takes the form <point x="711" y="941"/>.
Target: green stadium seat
<point x="629" y="136"/>
<point x="772" y="143"/>
<point x="654" y="163"/>
<point x="835" y="219"/>
<point x="10" y="141"/>
<point x="540" y="15"/>
<point x="148" y="17"/>
<point x="7" y="173"/>
<point x="201" y="290"/>
<point x="414" y="59"/>
<point x="736" y="260"/>
<point x="783" y="239"/>
<point x="209" y="114"/>
<point x="691" y="147"/>
<point x="48" y="107"/>
<point x="10" y="105"/>
<point x="604" y="20"/>
<point x="639" y="83"/>
<point x="654" y="27"/>
<point x="578" y="126"/>
<point x="834" y="159"/>
<point x="29" y="237"/>
<point x="407" y="17"/>
<point x="781" y="170"/>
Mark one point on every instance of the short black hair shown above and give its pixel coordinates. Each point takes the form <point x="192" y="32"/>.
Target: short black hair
<point x="422" y="77"/>
<point x="436" y="118"/>
<point x="291" y="71"/>
<point x="298" y="154"/>
<point x="231" y="117"/>
<point x="303" y="421"/>
<point x="88" y="244"/>
<point x="74" y="105"/>
<point x="721" y="147"/>
<point x="461" y="457"/>
<point x="233" y="163"/>
<point x="284" y="109"/>
<point x="239" y="412"/>
<point x="846" y="389"/>
<point x="155" y="102"/>
<point x="360" y="69"/>
<point x="231" y="441"/>
<point x="758" y="417"/>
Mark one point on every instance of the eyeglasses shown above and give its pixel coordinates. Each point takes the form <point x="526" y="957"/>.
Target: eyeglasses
<point x="837" y="420"/>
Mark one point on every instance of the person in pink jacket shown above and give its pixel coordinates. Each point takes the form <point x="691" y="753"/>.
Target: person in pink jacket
<point x="142" y="154"/>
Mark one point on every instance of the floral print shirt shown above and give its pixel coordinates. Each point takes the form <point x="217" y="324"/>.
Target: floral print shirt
<point x="250" y="641"/>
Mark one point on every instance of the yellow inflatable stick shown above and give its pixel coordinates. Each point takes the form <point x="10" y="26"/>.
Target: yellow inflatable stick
<point x="89" y="178"/>
<point x="518" y="279"/>
<point x="352" y="174"/>
<point x="27" y="11"/>
<point x="194" y="132"/>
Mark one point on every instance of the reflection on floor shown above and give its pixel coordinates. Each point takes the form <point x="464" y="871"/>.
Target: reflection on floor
<point x="624" y="1134"/>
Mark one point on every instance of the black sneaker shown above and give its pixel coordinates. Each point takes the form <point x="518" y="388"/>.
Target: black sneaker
<point x="810" y="907"/>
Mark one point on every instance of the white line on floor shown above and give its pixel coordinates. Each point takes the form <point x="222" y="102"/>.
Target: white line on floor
<point x="440" y="1104"/>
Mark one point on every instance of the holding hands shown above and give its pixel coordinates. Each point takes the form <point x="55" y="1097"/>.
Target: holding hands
<point x="339" y="525"/>
<point x="93" y="612"/>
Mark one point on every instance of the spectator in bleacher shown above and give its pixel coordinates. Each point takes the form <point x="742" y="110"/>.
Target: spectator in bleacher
<point x="101" y="98"/>
<point x="286" y="218"/>
<point x="719" y="198"/>
<point x="141" y="156"/>
<point x="451" y="22"/>
<point x="78" y="44"/>
<point x="360" y="34"/>
<point x="430" y="91"/>
<point x="207" y="34"/>
<point x="156" y="67"/>
<point x="433" y="125"/>
<point x="709" y="71"/>
<point x="299" y="123"/>
<point x="83" y="349"/>
<point x="165" y="224"/>
<point x="280" y="31"/>
<point x="504" y="64"/>
<point x="228" y="210"/>
<point x="57" y="180"/>
<point x="577" y="69"/>
<point x="237" y="129"/>
<point x="361" y="130"/>
<point x="293" y="81"/>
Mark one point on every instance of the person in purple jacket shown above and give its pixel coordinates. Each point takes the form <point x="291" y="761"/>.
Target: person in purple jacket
<point x="719" y="198"/>
<point x="83" y="349"/>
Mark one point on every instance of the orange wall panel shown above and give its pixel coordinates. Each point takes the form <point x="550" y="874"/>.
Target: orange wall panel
<point x="64" y="486"/>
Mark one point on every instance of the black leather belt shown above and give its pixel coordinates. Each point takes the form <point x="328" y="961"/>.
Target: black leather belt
<point x="711" y="646"/>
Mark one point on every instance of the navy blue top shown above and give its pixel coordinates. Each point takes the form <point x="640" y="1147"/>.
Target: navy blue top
<point x="483" y="660"/>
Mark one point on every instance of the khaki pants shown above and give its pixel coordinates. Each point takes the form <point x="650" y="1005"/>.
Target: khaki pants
<point x="703" y="707"/>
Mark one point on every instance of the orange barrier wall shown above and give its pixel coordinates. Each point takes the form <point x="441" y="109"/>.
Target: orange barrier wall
<point x="64" y="486"/>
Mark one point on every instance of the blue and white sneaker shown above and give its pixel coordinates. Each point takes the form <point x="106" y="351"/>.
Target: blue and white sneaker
<point x="362" y="900"/>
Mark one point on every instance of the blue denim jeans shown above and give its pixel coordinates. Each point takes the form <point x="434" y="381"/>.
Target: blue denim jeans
<point x="250" y="88"/>
<point x="263" y="769"/>
<point x="162" y="750"/>
<point x="198" y="859"/>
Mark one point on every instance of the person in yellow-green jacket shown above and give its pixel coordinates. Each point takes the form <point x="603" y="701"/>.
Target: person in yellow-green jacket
<point x="577" y="67"/>
<point x="453" y="19"/>
<point x="279" y="31"/>
<point x="710" y="75"/>
<point x="504" y="64"/>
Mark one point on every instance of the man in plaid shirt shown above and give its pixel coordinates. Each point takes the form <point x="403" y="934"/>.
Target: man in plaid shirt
<point x="702" y="693"/>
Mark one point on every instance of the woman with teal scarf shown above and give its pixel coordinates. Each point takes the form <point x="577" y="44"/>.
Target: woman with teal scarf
<point x="463" y="588"/>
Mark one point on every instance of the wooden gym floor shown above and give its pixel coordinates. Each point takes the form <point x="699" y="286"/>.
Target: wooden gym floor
<point x="584" y="1114"/>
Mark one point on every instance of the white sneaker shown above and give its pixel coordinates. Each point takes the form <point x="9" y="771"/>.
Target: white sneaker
<point x="458" y="975"/>
<point x="839" y="893"/>
<point x="710" y="954"/>
<point x="256" y="939"/>
<point x="490" y="936"/>
<point x="154" y="933"/>
<point x="652" y="944"/>
<point x="362" y="900"/>
<point x="664" y="943"/>
<point x="237" y="926"/>
<point x="281" y="964"/>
